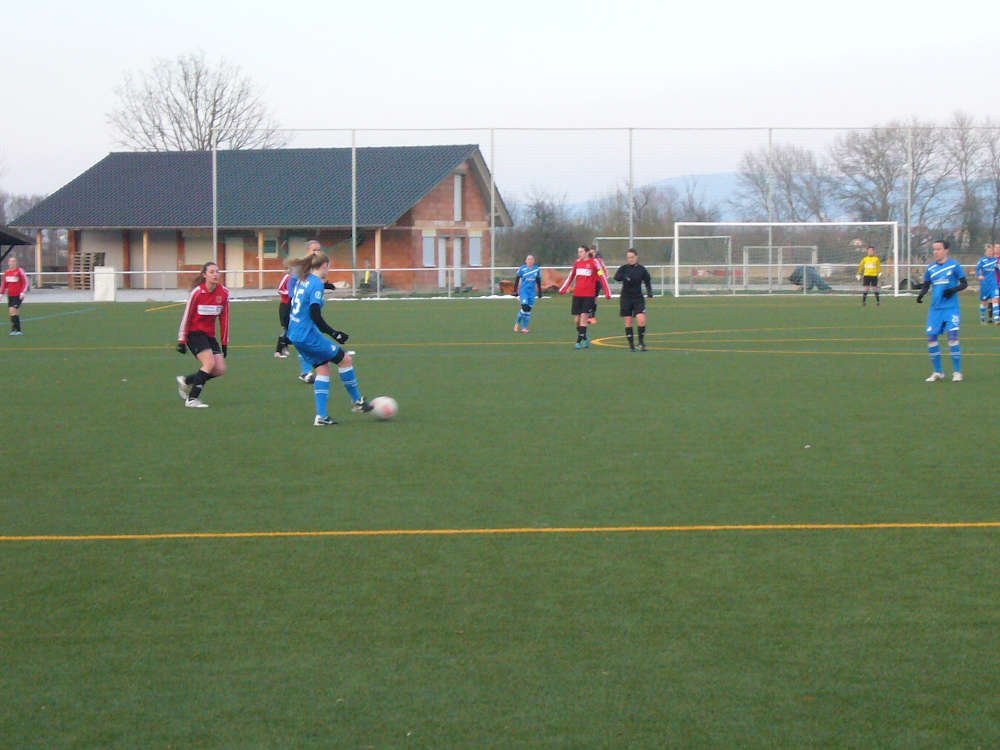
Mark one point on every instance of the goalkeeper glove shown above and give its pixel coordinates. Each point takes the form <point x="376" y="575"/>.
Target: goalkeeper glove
<point x="948" y="293"/>
<point x="920" y="299"/>
<point x="225" y="350"/>
<point x="181" y="347"/>
<point x="340" y="337"/>
<point x="857" y="276"/>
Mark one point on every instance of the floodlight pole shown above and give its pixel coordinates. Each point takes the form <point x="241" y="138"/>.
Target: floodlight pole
<point x="493" y="212"/>
<point x="631" y="196"/>
<point x="215" y="196"/>
<point x="354" y="209"/>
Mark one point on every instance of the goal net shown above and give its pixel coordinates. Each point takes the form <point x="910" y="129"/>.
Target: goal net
<point x="656" y="252"/>
<point x="780" y="257"/>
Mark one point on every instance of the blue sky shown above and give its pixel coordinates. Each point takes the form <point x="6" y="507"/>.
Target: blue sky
<point x="444" y="64"/>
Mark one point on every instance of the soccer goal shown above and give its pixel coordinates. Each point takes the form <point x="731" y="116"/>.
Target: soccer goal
<point x="781" y="257"/>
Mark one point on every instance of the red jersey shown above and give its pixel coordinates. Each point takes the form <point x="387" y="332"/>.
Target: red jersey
<point x="15" y="282"/>
<point x="283" y="289"/>
<point x="202" y="308"/>
<point x="589" y="277"/>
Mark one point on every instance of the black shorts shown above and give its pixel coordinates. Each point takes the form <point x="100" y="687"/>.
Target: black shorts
<point x="629" y="307"/>
<point x="198" y="342"/>
<point x="284" y="310"/>
<point x="14" y="300"/>
<point x="582" y="306"/>
<point x="869" y="281"/>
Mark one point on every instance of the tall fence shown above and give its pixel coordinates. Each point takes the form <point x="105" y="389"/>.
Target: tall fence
<point x="568" y="186"/>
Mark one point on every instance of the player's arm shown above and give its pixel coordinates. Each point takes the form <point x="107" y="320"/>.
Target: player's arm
<point x="962" y="284"/>
<point x="923" y="290"/>
<point x="329" y="285"/>
<point x="603" y="278"/>
<point x="569" y="280"/>
<point x="648" y="281"/>
<point x="224" y="328"/>
<point x="316" y="314"/>
<point x="25" y="282"/>
<point x="517" y="284"/>
<point x="620" y="274"/>
<point x="185" y="321"/>
<point x="538" y="283"/>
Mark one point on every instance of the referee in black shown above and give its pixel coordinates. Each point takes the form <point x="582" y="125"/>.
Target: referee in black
<point x="633" y="305"/>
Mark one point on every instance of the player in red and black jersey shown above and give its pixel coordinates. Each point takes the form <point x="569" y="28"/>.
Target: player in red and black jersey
<point x="284" y="309"/>
<point x="207" y="303"/>
<point x="588" y="278"/>
<point x="14" y="285"/>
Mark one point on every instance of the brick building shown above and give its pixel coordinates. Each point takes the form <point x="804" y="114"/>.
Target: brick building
<point x="422" y="214"/>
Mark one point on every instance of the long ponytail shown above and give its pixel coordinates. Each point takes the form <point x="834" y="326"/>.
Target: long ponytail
<point x="200" y="278"/>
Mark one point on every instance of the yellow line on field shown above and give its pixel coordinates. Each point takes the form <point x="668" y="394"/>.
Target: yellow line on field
<point x="163" y="307"/>
<point x="499" y="531"/>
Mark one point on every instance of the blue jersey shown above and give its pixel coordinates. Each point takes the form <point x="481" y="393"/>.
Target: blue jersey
<point x="528" y="281"/>
<point x="987" y="268"/>
<point x="307" y="292"/>
<point x="944" y="276"/>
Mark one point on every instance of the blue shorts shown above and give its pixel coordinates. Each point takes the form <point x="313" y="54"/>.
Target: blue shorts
<point x="529" y="299"/>
<point x="988" y="290"/>
<point x="318" y="350"/>
<point x="941" y="321"/>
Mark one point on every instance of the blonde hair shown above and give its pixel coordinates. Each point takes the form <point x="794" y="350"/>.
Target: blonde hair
<point x="310" y="263"/>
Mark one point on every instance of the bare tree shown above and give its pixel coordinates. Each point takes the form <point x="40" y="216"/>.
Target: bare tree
<point x="870" y="167"/>
<point x="991" y="178"/>
<point x="654" y="209"/>
<point x="181" y="104"/>
<point x="963" y="145"/>
<point x="790" y="179"/>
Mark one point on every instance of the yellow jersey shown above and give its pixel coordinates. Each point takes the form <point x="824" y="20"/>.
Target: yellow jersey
<point x="870" y="266"/>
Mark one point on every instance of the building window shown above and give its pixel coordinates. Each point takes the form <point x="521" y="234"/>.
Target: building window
<point x="270" y="248"/>
<point x="458" y="197"/>
<point x="429" y="248"/>
<point x="475" y="251"/>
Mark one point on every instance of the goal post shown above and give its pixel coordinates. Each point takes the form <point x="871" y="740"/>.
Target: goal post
<point x="780" y="257"/>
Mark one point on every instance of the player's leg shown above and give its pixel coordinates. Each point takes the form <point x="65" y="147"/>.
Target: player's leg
<point x="996" y="308"/>
<point x="520" y="316"/>
<point x="984" y="298"/>
<point x="201" y="348"/>
<point x="640" y="319"/>
<point x="345" y="368"/>
<point x="629" y="333"/>
<point x="526" y="306"/>
<point x="15" y="316"/>
<point x="955" y="348"/>
<point x="321" y="395"/>
<point x="878" y="301"/>
<point x="281" y="348"/>
<point x="934" y="328"/>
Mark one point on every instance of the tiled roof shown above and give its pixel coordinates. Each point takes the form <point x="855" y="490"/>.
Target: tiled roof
<point x="308" y="187"/>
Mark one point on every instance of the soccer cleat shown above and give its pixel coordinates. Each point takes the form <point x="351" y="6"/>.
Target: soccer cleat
<point x="631" y="348"/>
<point x="642" y="347"/>
<point x="934" y="377"/>
<point x="183" y="389"/>
<point x="956" y="377"/>
<point x="586" y="343"/>
<point x="195" y="403"/>
<point x="309" y="377"/>
<point x="517" y="327"/>
<point x="284" y="352"/>
<point x="323" y="421"/>
<point x="525" y="330"/>
<point x="280" y="355"/>
<point x="17" y="333"/>
<point x="579" y="345"/>
<point x="361" y="406"/>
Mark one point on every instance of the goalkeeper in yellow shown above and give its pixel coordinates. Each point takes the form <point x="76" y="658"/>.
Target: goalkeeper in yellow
<point x="869" y="271"/>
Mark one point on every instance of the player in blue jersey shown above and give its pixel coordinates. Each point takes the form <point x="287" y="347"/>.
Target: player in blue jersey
<point x="527" y="288"/>
<point x="989" y="290"/>
<point x="305" y="330"/>
<point x="944" y="279"/>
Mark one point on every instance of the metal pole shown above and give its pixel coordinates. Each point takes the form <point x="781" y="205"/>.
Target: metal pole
<point x="631" y="195"/>
<point x="770" y="206"/>
<point x="909" y="204"/>
<point x="215" y="198"/>
<point x="493" y="213"/>
<point x="677" y="265"/>
<point x="354" y="209"/>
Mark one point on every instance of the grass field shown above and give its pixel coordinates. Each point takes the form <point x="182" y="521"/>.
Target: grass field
<point x="767" y="531"/>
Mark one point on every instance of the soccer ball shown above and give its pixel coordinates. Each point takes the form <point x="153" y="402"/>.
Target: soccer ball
<point x="384" y="407"/>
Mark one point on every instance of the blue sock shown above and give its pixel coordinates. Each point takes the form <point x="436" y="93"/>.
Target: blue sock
<point x="321" y="389"/>
<point x="956" y="354"/>
<point x="350" y="381"/>
<point x="520" y="318"/>
<point x="527" y="320"/>
<point x="934" y="349"/>
<point x="982" y="312"/>
<point x="304" y="366"/>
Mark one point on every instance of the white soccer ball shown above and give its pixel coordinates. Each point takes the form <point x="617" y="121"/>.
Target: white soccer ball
<point x="384" y="407"/>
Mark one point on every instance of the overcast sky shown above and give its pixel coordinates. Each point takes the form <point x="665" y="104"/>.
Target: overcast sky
<point x="520" y="63"/>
